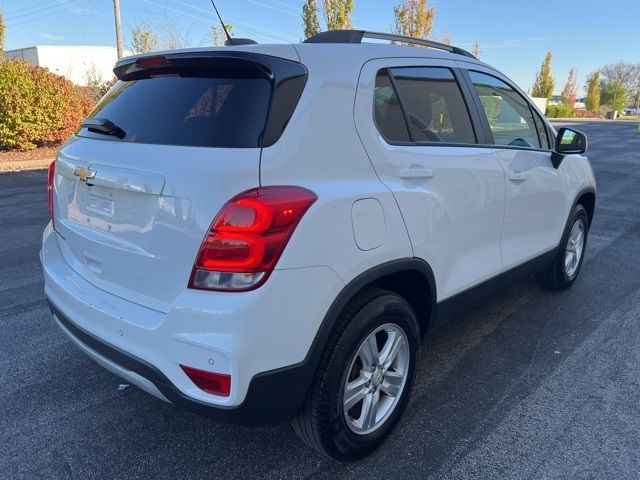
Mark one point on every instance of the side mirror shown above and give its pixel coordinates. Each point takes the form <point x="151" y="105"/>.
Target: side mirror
<point x="568" y="142"/>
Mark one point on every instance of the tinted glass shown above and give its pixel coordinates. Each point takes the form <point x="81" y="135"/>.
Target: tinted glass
<point x="187" y="111"/>
<point x="388" y="114"/>
<point x="542" y="132"/>
<point x="509" y="115"/>
<point x="435" y="107"/>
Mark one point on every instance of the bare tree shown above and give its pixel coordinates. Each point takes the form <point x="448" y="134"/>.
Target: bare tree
<point x="476" y="49"/>
<point x="446" y="38"/>
<point x="173" y="37"/>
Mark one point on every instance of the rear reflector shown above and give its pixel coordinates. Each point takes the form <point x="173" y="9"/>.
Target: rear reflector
<point x="210" y="382"/>
<point x="50" y="180"/>
<point x="247" y="238"/>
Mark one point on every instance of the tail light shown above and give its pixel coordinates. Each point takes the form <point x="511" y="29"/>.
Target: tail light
<point x="210" y="382"/>
<point x="247" y="238"/>
<point x="51" y="175"/>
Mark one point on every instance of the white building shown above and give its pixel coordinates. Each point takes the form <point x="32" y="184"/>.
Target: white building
<point x="72" y="62"/>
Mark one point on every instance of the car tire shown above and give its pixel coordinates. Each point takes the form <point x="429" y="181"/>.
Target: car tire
<point x="566" y="266"/>
<point x="351" y="407"/>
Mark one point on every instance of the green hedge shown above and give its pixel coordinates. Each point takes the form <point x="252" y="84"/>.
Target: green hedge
<point x="560" y="111"/>
<point x="37" y="107"/>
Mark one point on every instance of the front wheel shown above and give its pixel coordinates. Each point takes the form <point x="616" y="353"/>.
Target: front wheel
<point x="365" y="377"/>
<point x="566" y="266"/>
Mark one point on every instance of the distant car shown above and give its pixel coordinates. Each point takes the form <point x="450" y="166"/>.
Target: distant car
<point x="263" y="233"/>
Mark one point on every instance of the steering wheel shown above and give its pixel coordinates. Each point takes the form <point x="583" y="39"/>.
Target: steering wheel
<point x="424" y="129"/>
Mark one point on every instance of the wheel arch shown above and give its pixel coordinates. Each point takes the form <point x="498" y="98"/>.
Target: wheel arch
<point x="411" y="278"/>
<point x="587" y="198"/>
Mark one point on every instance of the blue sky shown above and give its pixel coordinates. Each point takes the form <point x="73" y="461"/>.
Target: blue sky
<point x="514" y="34"/>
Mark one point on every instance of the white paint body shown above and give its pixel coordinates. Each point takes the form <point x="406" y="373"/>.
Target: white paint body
<point x="460" y="213"/>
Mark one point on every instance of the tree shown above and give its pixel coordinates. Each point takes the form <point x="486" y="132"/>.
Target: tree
<point x="1" y="36"/>
<point x="310" y="20"/>
<point x="543" y="86"/>
<point x="476" y="49"/>
<point x="569" y="90"/>
<point x="626" y="74"/>
<point x="96" y="85"/>
<point x="592" y="100"/>
<point x="414" y="19"/>
<point x="219" y="37"/>
<point x="446" y="38"/>
<point x="613" y="93"/>
<point x="172" y="36"/>
<point x="143" y="39"/>
<point x="337" y="13"/>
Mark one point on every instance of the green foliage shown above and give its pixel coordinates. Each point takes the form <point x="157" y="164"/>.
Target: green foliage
<point x="310" y="20"/>
<point x="219" y="37"/>
<point x="592" y="100"/>
<point x="613" y="93"/>
<point x="1" y="36"/>
<point x="492" y="106"/>
<point x="414" y="19"/>
<point x="338" y="14"/>
<point x="543" y="86"/>
<point x="143" y="39"/>
<point x="560" y="111"/>
<point x="38" y="108"/>
<point x="95" y="85"/>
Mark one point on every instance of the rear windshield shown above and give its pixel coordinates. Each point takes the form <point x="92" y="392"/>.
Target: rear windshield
<point x="224" y="111"/>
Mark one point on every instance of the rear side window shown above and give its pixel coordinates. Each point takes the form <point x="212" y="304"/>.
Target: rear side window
<point x="435" y="107"/>
<point x="509" y="114"/>
<point x="388" y="113"/>
<point x="199" y="111"/>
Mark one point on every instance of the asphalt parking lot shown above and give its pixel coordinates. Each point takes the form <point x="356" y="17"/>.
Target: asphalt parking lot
<point x="532" y="385"/>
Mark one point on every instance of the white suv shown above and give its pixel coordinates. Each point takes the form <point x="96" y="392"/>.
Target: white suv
<point x="263" y="233"/>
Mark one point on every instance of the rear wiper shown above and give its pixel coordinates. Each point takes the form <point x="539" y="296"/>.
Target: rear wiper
<point x="104" y="126"/>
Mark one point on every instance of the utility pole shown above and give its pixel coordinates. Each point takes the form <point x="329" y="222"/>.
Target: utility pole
<point x="116" y="11"/>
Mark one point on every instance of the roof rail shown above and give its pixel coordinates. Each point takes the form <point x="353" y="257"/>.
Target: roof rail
<point x="356" y="36"/>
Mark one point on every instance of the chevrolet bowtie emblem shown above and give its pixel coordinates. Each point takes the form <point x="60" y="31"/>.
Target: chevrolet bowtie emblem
<point x="84" y="174"/>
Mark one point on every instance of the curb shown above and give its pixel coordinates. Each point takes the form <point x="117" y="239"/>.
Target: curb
<point x="22" y="165"/>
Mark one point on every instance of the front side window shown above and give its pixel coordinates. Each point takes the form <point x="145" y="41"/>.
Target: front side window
<point x="509" y="115"/>
<point x="435" y="108"/>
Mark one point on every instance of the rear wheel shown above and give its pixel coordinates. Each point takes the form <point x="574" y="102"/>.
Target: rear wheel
<point x="566" y="266"/>
<point x="364" y="379"/>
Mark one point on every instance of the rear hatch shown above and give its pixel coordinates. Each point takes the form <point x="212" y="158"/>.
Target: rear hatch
<point x="178" y="136"/>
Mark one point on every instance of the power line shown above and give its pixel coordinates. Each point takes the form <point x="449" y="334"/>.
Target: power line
<point x="46" y="15"/>
<point x="40" y="10"/>
<point x="247" y="26"/>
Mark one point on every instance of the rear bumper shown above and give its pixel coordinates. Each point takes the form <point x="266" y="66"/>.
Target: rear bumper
<point x="264" y="339"/>
<point x="274" y="396"/>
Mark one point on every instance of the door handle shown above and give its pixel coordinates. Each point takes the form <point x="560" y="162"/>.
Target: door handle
<point x="517" y="176"/>
<point x="409" y="173"/>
